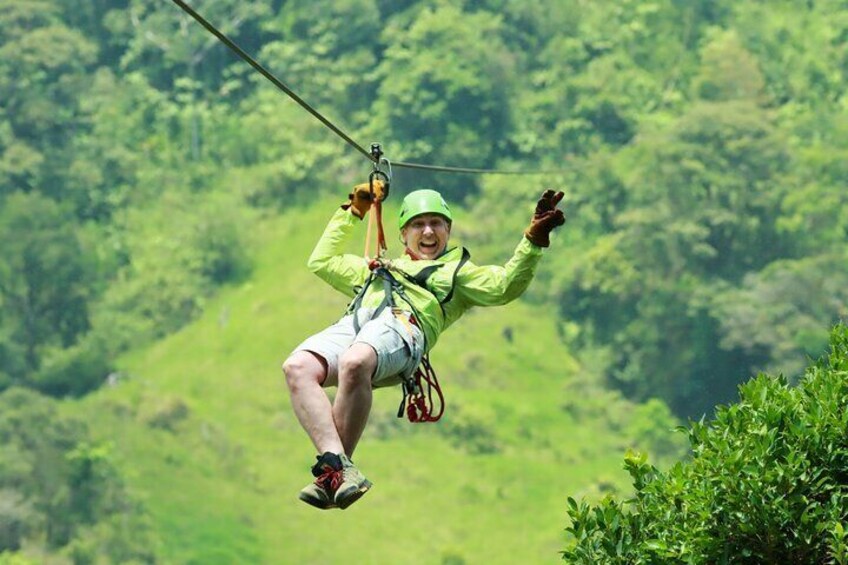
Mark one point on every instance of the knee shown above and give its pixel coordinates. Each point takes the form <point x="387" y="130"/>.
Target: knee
<point x="356" y="367"/>
<point x="299" y="370"/>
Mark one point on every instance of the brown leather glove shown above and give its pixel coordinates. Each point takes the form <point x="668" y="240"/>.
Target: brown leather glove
<point x="546" y="218"/>
<point x="360" y="200"/>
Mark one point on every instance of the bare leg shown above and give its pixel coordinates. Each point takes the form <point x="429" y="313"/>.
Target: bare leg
<point x="353" y="401"/>
<point x="305" y="372"/>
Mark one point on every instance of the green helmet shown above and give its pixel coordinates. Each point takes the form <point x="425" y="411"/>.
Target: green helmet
<point x="423" y="202"/>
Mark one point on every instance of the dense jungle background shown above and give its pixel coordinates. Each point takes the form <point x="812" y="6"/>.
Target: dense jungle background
<point x="159" y="198"/>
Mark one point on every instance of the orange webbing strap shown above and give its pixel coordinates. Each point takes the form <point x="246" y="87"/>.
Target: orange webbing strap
<point x="375" y="224"/>
<point x="381" y="236"/>
<point x="367" y="252"/>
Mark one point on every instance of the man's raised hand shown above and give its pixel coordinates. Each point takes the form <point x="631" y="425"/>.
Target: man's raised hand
<point x="546" y="218"/>
<point x="360" y="200"/>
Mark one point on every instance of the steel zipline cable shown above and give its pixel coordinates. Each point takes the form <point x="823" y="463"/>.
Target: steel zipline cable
<point x="293" y="95"/>
<point x="267" y="74"/>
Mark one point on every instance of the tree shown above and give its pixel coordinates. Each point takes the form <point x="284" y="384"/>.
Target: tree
<point x="728" y="70"/>
<point x="326" y="52"/>
<point x="45" y="279"/>
<point x="444" y="91"/>
<point x="602" y="70"/>
<point x="43" y="74"/>
<point x="800" y="47"/>
<point x="696" y="215"/>
<point x="776" y="314"/>
<point x="766" y="483"/>
<point x="174" y="52"/>
<point x="59" y="489"/>
<point x="167" y="44"/>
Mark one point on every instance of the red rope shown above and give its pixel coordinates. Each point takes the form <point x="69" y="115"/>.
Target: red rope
<point x="420" y="407"/>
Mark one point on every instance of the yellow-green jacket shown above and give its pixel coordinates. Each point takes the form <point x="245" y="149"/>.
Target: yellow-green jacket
<point x="472" y="285"/>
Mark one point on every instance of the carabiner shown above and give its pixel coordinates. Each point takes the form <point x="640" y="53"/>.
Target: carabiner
<point x="382" y="168"/>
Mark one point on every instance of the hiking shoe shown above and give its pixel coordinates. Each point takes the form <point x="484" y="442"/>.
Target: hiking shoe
<point x="328" y="477"/>
<point x="317" y="496"/>
<point x="354" y="484"/>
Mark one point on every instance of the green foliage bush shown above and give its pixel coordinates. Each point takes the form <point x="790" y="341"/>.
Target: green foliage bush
<point x="766" y="483"/>
<point x="165" y="413"/>
<point x="76" y="370"/>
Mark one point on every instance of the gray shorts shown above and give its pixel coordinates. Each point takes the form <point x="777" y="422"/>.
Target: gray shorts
<point x="399" y="344"/>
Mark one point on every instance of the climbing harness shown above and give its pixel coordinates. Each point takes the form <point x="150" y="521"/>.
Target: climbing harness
<point x="419" y="387"/>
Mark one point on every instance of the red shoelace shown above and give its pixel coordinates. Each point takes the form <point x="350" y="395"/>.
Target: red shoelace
<point x="331" y="479"/>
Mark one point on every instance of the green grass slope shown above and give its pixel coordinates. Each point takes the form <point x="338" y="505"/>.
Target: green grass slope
<point x="202" y="428"/>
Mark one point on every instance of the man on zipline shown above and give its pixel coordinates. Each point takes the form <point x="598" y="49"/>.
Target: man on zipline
<point x="391" y="324"/>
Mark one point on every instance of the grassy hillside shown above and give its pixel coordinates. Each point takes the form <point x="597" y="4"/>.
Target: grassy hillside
<point x="201" y="425"/>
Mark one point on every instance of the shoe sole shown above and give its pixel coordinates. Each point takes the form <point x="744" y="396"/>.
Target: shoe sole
<point x="354" y="496"/>
<point x="323" y="505"/>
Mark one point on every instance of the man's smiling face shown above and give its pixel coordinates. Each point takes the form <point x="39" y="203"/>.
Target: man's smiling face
<point x="426" y="235"/>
